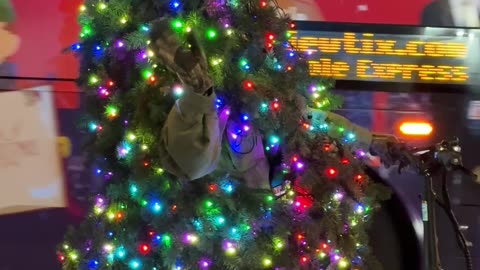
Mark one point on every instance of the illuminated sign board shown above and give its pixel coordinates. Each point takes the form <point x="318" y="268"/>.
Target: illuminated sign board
<point x="391" y="57"/>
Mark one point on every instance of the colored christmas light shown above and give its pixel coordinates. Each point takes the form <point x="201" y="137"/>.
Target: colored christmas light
<point x="332" y="172"/>
<point x="134" y="264"/>
<point x="144" y="249"/>
<point x="111" y="111"/>
<point x="248" y="85"/>
<point x="204" y="263"/>
<point x="151" y="191"/>
<point x="178" y="90"/>
<point x="211" y="34"/>
<point x="175" y="4"/>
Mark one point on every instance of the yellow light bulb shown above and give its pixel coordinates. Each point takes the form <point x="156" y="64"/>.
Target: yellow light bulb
<point x="342" y="263"/>
<point x="123" y="20"/>
<point x="97" y="210"/>
<point x="132" y="137"/>
<point x="73" y="256"/>
<point x="144" y="147"/>
<point x="231" y="251"/>
<point x="108" y="247"/>
<point x="102" y="6"/>
<point x="150" y="53"/>
<point x="82" y="8"/>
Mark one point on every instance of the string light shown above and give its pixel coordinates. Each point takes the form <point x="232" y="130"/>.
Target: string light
<point x="331" y="172"/>
<point x="93" y="79"/>
<point x="211" y="34"/>
<point x="144" y="249"/>
<point x="178" y="91"/>
<point x="204" y="263"/>
<point x="111" y="111"/>
<point x="248" y="85"/>
<point x="134" y="264"/>
<point x="267" y="262"/>
<point x="175" y="4"/>
<point x="214" y="218"/>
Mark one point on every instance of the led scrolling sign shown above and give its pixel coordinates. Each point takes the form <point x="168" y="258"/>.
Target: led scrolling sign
<point x="387" y="57"/>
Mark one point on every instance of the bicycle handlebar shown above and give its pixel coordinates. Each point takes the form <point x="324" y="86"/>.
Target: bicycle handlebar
<point x="446" y="154"/>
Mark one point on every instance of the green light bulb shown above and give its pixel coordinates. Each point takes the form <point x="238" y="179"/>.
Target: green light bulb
<point x="211" y="34"/>
<point x="167" y="240"/>
<point x="93" y="79"/>
<point x="177" y="24"/>
<point x="147" y="73"/>
<point x="111" y="111"/>
<point x="208" y="204"/>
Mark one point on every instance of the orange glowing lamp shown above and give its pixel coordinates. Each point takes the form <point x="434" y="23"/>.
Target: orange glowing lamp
<point x="416" y="128"/>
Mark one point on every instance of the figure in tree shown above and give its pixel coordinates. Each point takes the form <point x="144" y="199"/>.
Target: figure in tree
<point x="218" y="146"/>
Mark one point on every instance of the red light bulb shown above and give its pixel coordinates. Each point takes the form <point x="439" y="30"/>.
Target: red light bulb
<point x="212" y="187"/>
<point x="304" y="259"/>
<point x="332" y="172"/>
<point x="292" y="25"/>
<point x="358" y="178"/>
<point x="276" y="105"/>
<point x="248" y="85"/>
<point x="345" y="161"/>
<point x="110" y="83"/>
<point x="119" y="215"/>
<point x="263" y="4"/>
<point x="144" y="249"/>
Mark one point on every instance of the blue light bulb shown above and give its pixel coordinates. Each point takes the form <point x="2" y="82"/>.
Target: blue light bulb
<point x="76" y="47"/>
<point x="156" y="207"/>
<point x="175" y="4"/>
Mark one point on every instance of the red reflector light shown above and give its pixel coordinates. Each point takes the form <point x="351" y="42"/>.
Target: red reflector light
<point x="416" y="128"/>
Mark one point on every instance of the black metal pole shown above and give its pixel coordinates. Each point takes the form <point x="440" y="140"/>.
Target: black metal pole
<point x="432" y="260"/>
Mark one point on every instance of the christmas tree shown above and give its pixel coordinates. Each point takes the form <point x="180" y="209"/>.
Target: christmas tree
<point x="216" y="143"/>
